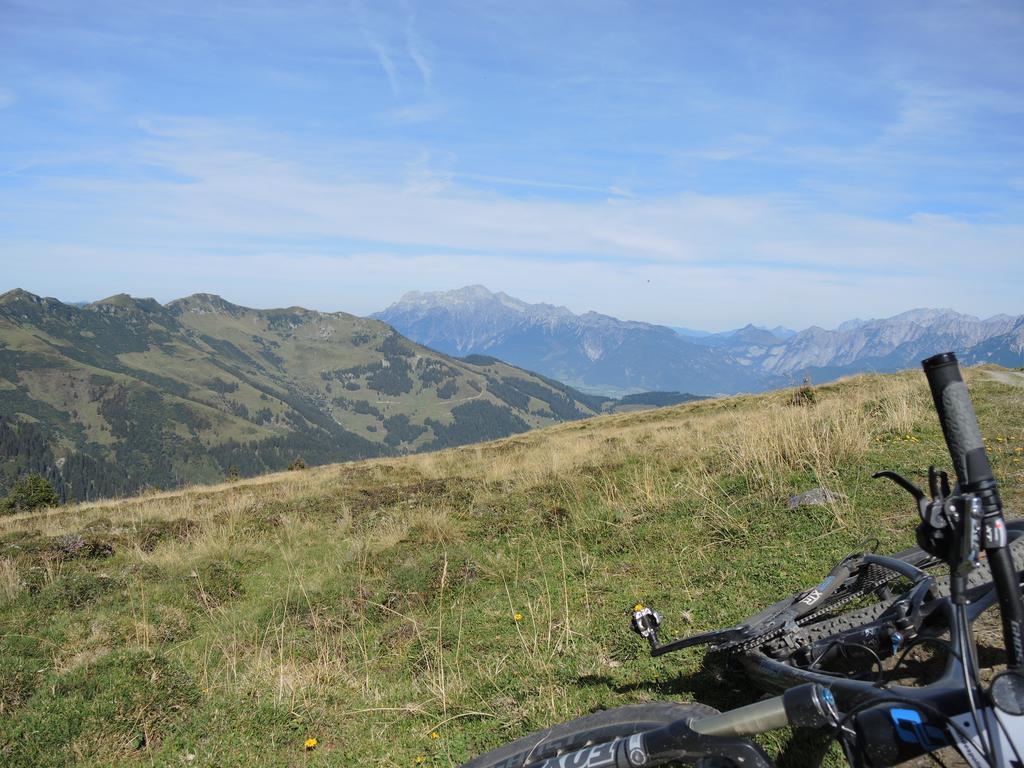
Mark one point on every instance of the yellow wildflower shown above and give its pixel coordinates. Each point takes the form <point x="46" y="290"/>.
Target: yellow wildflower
<point x="435" y="735"/>
<point x="517" y="616"/>
<point x="638" y="607"/>
<point x="311" y="743"/>
<point x="420" y="759"/>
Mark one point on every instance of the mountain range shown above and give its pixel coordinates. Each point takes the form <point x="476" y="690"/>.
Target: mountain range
<point x="125" y="393"/>
<point x="117" y="395"/>
<point x="590" y="351"/>
<point x="598" y="353"/>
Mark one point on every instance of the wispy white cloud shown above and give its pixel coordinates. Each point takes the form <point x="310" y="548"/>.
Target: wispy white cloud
<point x="424" y="177"/>
<point x="7" y="97"/>
<point x="511" y="181"/>
<point x="929" y="111"/>
<point x="244" y="191"/>
<point x="386" y="63"/>
<point x="415" y="113"/>
<point x="392" y="34"/>
<point x="731" y="148"/>
<point x="82" y="97"/>
<point x="380" y="50"/>
<point x="415" y="47"/>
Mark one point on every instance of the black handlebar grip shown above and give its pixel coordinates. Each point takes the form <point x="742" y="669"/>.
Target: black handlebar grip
<point x="959" y="424"/>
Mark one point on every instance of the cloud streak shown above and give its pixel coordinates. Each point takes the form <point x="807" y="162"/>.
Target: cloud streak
<point x="414" y="46"/>
<point x="382" y="53"/>
<point x="405" y="39"/>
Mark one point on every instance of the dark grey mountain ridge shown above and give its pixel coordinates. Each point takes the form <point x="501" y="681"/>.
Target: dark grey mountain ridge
<point x="599" y="353"/>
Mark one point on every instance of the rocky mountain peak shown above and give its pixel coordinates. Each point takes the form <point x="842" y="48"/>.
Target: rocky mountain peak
<point x="473" y="298"/>
<point x="122" y="303"/>
<point x="19" y="302"/>
<point x="926" y="317"/>
<point x="598" y="351"/>
<point x="204" y="304"/>
<point x="19" y="295"/>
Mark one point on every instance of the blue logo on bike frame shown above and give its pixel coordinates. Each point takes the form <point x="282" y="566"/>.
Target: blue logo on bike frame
<point x="912" y="729"/>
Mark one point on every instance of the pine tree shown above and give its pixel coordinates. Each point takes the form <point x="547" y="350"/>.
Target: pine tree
<point x="30" y="492"/>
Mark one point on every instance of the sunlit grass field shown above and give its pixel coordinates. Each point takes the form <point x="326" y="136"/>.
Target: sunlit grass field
<point x="418" y="611"/>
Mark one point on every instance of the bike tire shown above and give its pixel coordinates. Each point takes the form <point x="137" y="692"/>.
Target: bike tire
<point x="860" y="616"/>
<point x="914" y="555"/>
<point x="763" y="627"/>
<point x="597" y="728"/>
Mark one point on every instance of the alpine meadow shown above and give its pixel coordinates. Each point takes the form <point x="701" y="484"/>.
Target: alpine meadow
<point x="419" y="610"/>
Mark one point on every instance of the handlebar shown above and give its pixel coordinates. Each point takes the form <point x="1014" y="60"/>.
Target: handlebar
<point x="959" y="424"/>
<point x="974" y="473"/>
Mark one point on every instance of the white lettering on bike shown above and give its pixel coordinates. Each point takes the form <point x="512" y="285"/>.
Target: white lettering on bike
<point x="1018" y="647"/>
<point x="811" y="597"/>
<point x="595" y="757"/>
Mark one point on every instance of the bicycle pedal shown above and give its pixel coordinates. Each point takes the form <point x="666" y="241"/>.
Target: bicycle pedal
<point x="645" y="621"/>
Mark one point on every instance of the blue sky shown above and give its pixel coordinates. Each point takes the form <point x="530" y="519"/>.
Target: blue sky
<point x="697" y="164"/>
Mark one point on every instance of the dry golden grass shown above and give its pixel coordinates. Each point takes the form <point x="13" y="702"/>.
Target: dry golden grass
<point x="10" y="581"/>
<point x="764" y="438"/>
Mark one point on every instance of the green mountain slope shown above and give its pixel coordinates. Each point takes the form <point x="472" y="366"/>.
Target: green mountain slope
<point x="126" y="393"/>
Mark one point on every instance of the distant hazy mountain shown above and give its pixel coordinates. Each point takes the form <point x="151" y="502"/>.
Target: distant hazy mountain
<point x="691" y="332"/>
<point x="749" y="332"/>
<point x="602" y="354"/>
<point x="125" y="393"/>
<point x="590" y="351"/>
<point x="886" y="345"/>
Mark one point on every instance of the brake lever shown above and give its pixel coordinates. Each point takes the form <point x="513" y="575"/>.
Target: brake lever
<point x="938" y="484"/>
<point x="909" y="487"/>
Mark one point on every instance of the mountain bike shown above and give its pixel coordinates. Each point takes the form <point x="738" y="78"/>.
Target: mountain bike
<point x="836" y="650"/>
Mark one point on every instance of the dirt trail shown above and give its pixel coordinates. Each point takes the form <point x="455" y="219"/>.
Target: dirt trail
<point x="1013" y="378"/>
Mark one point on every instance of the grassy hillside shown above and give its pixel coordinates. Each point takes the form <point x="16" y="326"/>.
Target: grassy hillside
<point x="423" y="609"/>
<point x="127" y="393"/>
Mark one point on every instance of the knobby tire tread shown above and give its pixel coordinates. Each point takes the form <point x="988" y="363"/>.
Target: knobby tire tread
<point x="860" y="616"/>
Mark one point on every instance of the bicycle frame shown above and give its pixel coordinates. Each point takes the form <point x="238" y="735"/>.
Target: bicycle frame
<point x="908" y="721"/>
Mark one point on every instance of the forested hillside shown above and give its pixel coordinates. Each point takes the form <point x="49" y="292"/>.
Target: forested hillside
<point x="126" y="393"/>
